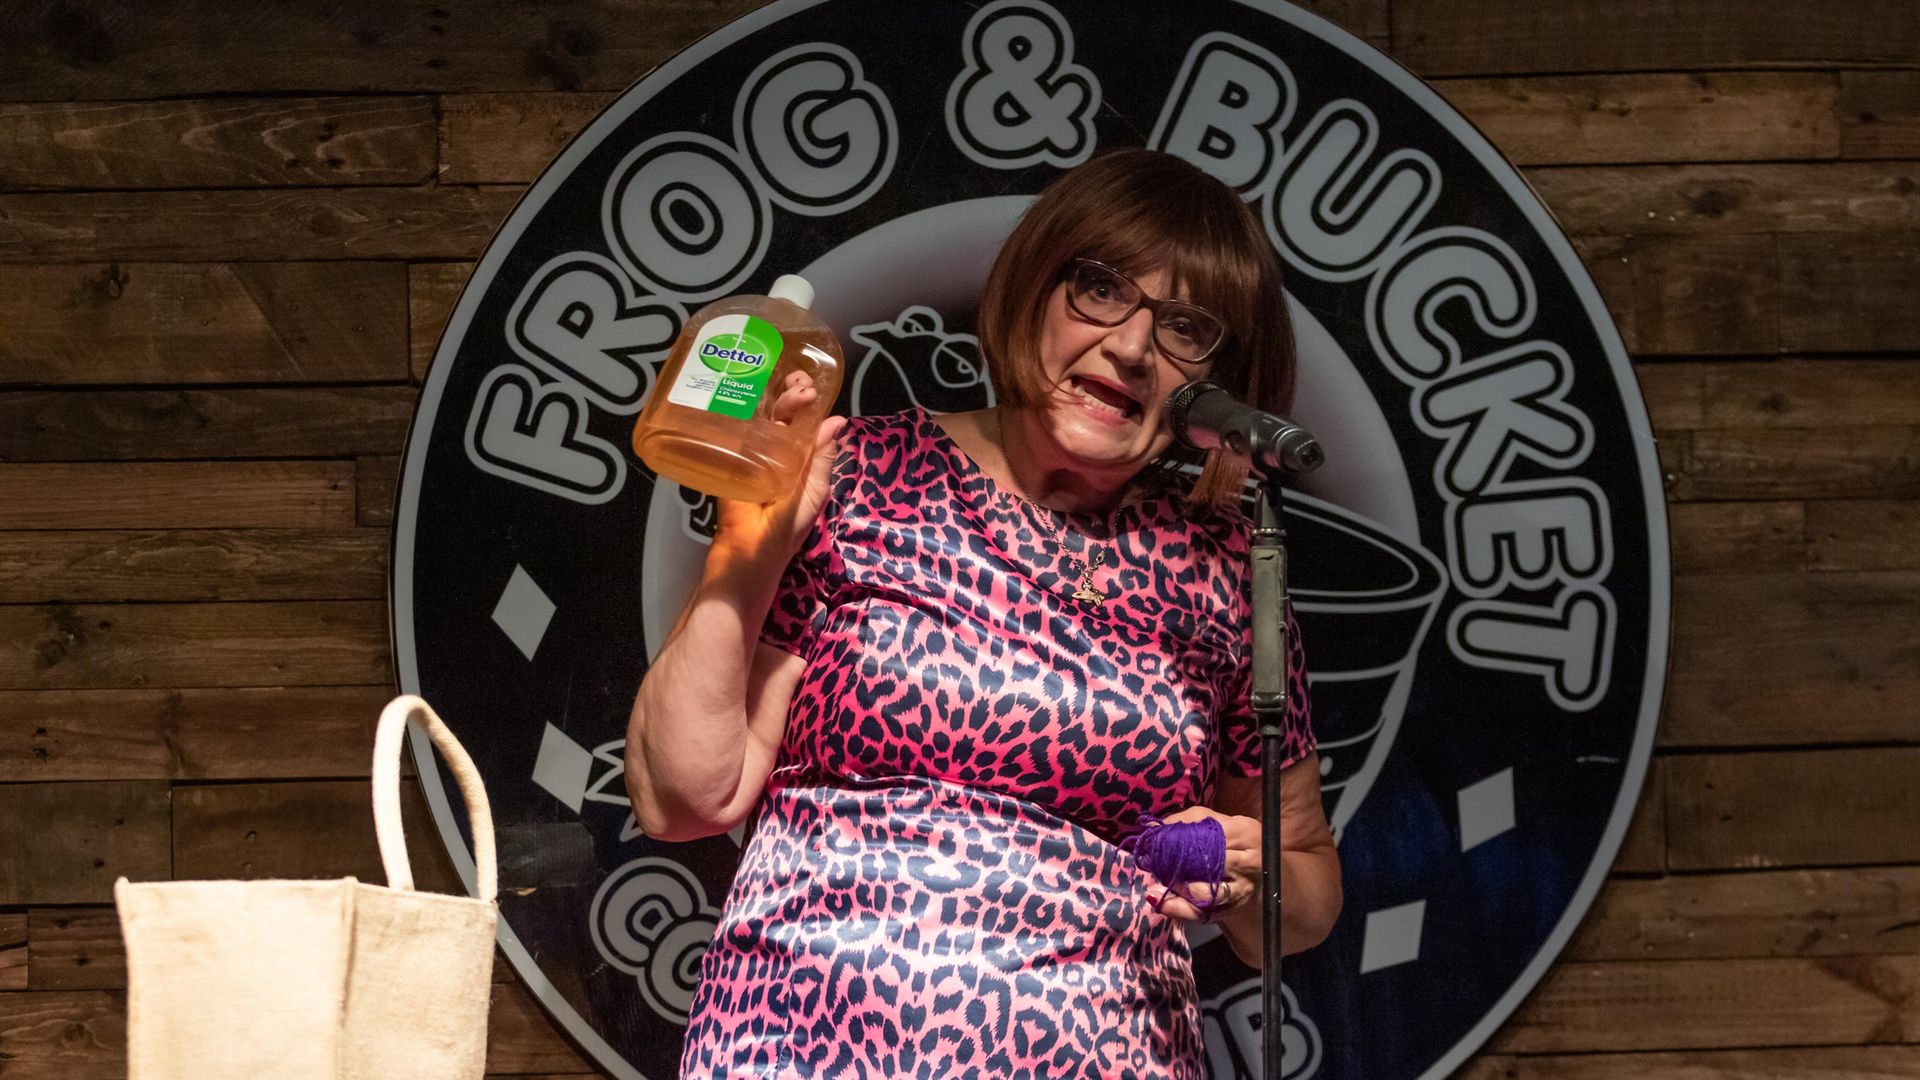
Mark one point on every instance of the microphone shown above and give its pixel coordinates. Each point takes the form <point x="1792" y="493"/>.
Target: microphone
<point x="1203" y="415"/>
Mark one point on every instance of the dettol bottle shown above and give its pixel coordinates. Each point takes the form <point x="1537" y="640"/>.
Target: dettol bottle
<point x="708" y="422"/>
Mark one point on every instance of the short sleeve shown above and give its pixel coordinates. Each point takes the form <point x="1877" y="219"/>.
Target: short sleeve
<point x="808" y="587"/>
<point x="1240" y="729"/>
<point x="800" y="601"/>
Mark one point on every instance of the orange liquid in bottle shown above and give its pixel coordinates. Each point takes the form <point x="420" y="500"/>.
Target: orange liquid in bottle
<point x="708" y="422"/>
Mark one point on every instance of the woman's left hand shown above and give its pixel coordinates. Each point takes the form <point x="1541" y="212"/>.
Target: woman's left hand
<point x="1239" y="885"/>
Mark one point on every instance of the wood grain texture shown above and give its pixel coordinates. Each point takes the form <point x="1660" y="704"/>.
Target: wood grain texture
<point x="66" y="843"/>
<point x="1704" y="1004"/>
<point x="185" y="323"/>
<point x="299" y="829"/>
<point x="77" y="949"/>
<point x="1369" y="20"/>
<point x="193" y="564"/>
<point x="377" y="481"/>
<point x="1786" y="393"/>
<point x="520" y="1038"/>
<point x="1801" y="463"/>
<point x="218" y="142"/>
<point x="1873" y="910"/>
<point x="1671" y="450"/>
<point x="1644" y="849"/>
<point x="125" y="49"/>
<point x="1648" y="118"/>
<point x="64" y="1035"/>
<point x="1738" y="537"/>
<point x="107" y="425"/>
<point x="1798" y="1063"/>
<point x="14" y="955"/>
<point x="433" y="289"/>
<point x="1802" y="808"/>
<point x="1863" y="535"/>
<point x="509" y="138"/>
<point x="1697" y="296"/>
<point x="115" y="646"/>
<point x="252" y="225"/>
<point x="1443" y="37"/>
<point x="1719" y="200"/>
<point x="1787" y="659"/>
<point x="1878" y="278"/>
<point x="323" y="829"/>
<point x="189" y="734"/>
<point x="1880" y="114"/>
<point x="177" y="495"/>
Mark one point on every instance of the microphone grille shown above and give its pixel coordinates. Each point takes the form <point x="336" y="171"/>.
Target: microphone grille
<point x="1179" y="402"/>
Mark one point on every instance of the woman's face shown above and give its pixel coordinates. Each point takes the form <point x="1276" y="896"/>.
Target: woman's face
<point x="1109" y="383"/>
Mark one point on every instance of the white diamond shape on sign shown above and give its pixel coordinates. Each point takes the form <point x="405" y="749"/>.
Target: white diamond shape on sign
<point x="1486" y="809"/>
<point x="1393" y="936"/>
<point x="523" y="612"/>
<point x="563" y="767"/>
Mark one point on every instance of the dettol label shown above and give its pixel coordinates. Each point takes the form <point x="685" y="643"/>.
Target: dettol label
<point x="728" y="367"/>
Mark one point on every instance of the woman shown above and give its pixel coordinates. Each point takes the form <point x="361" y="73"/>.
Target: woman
<point x="954" y="671"/>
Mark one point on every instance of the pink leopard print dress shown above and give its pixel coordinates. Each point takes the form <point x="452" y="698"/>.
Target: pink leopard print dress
<point x="933" y="886"/>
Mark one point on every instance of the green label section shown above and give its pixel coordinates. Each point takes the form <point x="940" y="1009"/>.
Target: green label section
<point x="731" y="363"/>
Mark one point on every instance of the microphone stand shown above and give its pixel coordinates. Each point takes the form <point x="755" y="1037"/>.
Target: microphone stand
<point x="1270" y="710"/>
<point x="1273" y="448"/>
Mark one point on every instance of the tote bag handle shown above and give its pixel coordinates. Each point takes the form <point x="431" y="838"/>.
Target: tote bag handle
<point x="386" y="795"/>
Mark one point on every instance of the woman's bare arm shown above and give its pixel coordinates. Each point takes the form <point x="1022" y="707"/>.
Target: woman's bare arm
<point x="709" y="715"/>
<point x="1310" y="891"/>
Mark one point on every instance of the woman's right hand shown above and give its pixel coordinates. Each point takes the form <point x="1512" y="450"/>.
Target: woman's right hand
<point x="774" y="531"/>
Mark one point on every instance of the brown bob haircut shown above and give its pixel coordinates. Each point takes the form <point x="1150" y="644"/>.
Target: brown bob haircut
<point x="1140" y="210"/>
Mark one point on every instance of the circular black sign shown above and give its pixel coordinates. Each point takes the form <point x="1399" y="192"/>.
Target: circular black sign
<point x="1481" y="569"/>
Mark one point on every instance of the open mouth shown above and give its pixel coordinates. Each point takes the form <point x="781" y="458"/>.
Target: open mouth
<point x="1105" y="398"/>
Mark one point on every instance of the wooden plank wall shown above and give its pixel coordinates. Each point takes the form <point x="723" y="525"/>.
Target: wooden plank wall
<point x="223" y="266"/>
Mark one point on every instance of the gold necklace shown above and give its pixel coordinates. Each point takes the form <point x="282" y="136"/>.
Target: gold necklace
<point x="1086" y="593"/>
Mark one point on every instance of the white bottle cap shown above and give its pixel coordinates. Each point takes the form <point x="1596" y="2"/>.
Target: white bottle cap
<point x="794" y="289"/>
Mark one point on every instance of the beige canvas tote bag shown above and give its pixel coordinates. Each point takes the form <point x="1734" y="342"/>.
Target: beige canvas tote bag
<point x="318" y="979"/>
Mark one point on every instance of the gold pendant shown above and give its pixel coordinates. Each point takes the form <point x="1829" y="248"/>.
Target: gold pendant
<point x="1086" y="593"/>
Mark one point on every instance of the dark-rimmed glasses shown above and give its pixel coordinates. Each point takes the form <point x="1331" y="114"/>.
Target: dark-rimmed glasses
<point x="1102" y="295"/>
